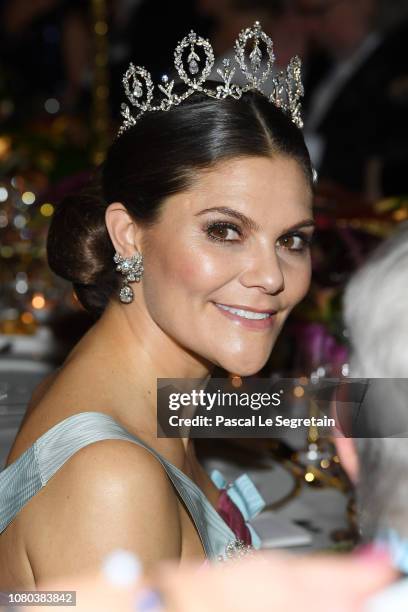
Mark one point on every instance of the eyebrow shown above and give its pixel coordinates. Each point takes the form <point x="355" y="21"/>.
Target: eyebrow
<point x="250" y="223"/>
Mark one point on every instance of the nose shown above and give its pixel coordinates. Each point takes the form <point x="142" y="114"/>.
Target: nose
<point x="265" y="272"/>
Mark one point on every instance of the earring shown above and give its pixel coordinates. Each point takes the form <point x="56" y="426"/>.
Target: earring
<point x="132" y="269"/>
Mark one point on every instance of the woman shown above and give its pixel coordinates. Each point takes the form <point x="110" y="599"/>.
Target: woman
<point x="213" y="200"/>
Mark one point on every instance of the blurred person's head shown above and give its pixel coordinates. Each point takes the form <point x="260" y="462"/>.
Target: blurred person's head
<point x="338" y="26"/>
<point x="278" y="18"/>
<point x="375" y="314"/>
<point x="215" y="9"/>
<point x="375" y="311"/>
<point x="222" y="8"/>
<point x="282" y="23"/>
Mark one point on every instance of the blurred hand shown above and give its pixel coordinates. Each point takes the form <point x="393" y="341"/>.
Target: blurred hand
<point x="268" y="581"/>
<point x="277" y="582"/>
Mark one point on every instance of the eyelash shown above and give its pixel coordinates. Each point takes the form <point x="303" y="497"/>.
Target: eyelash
<point x="224" y="225"/>
<point x="307" y="239"/>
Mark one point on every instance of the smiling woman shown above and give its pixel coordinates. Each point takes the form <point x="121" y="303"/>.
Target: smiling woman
<point x="226" y="264"/>
<point x="208" y="207"/>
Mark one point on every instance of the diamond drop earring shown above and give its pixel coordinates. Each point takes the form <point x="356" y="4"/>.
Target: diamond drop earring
<point x="132" y="269"/>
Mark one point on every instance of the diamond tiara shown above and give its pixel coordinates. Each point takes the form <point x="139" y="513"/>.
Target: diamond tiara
<point x="256" y="65"/>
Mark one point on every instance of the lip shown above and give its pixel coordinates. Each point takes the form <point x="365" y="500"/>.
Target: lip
<point x="254" y="324"/>
<point x="240" y="307"/>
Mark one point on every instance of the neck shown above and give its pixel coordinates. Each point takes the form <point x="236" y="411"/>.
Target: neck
<point x="141" y="345"/>
<point x="137" y="353"/>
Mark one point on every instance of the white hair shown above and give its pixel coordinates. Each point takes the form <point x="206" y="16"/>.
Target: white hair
<point x="375" y="310"/>
<point x="375" y="307"/>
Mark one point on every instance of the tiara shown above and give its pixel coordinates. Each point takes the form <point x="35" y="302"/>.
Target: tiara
<point x="197" y="55"/>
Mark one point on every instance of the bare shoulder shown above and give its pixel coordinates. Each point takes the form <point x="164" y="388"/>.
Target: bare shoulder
<point x="101" y="464"/>
<point x="111" y="494"/>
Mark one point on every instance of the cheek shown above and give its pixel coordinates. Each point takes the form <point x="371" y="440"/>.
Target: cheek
<point x="297" y="280"/>
<point x="194" y="271"/>
<point x="188" y="271"/>
<point x="184" y="271"/>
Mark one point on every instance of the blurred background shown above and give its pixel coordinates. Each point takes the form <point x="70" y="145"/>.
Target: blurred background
<point x="61" y="64"/>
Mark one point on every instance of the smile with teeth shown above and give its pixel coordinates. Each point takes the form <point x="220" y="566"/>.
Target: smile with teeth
<point x="245" y="314"/>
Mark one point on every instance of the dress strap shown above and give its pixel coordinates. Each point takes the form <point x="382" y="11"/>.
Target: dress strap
<point x="21" y="480"/>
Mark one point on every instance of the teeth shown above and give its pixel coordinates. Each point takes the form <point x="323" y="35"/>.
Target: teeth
<point x="247" y="314"/>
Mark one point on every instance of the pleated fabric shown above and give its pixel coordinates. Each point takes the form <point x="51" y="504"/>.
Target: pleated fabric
<point x="22" y="479"/>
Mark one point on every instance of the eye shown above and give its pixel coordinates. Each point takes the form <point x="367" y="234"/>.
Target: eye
<point x="223" y="231"/>
<point x="296" y="242"/>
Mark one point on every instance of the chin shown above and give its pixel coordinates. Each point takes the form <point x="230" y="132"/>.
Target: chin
<point x="243" y="367"/>
<point x="245" y="371"/>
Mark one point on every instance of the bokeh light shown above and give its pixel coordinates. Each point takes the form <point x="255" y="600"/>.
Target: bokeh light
<point x="38" y="301"/>
<point x="28" y="197"/>
<point x="46" y="210"/>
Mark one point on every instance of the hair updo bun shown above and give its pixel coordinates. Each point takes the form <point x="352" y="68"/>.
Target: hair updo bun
<point x="159" y="157"/>
<point x="79" y="248"/>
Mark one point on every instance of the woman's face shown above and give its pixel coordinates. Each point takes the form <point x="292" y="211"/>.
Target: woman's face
<point x="237" y="239"/>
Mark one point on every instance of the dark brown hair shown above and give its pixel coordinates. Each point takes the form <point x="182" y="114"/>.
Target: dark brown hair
<point x="157" y="158"/>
